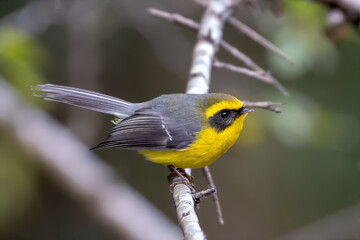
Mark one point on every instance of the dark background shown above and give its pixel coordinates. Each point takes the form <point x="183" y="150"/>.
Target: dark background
<point x="286" y="171"/>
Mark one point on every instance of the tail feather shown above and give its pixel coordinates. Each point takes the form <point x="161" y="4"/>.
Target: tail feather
<point x="85" y="99"/>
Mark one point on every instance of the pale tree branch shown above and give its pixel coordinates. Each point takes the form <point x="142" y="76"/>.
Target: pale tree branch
<point x="209" y="37"/>
<point x="185" y="210"/>
<point x="87" y="177"/>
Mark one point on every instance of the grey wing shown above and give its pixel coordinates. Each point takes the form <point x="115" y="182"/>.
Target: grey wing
<point x="84" y="98"/>
<point x="149" y="129"/>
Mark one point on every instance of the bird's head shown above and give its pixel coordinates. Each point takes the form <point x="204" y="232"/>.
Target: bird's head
<point x="223" y="111"/>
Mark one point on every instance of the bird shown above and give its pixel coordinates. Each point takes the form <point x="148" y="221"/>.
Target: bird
<point x="180" y="130"/>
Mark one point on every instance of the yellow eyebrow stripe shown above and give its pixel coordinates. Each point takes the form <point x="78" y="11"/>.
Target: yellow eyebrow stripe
<point x="233" y="104"/>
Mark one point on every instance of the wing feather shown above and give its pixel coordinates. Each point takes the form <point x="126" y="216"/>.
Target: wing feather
<point x="149" y="129"/>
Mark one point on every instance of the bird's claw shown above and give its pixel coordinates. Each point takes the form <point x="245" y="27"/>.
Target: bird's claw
<point x="185" y="178"/>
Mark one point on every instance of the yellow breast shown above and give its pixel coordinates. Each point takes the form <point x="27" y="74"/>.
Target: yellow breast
<point x="208" y="146"/>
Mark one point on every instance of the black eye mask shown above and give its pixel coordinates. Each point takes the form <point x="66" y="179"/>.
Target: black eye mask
<point x="223" y="119"/>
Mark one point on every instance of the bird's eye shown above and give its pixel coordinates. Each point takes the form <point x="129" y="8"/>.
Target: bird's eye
<point x="224" y="114"/>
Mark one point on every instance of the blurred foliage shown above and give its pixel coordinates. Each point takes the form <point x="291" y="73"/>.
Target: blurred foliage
<point x="21" y="59"/>
<point x="287" y="170"/>
<point x="301" y="36"/>
<point x="18" y="181"/>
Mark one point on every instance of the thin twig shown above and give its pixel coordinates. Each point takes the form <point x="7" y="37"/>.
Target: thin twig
<point x="203" y="194"/>
<point x="257" y="37"/>
<point x="262" y="76"/>
<point x="251" y="64"/>
<point x="174" y="17"/>
<point x="177" y="18"/>
<point x="211" y="185"/>
<point x="251" y="33"/>
<point x="265" y="105"/>
<point x="240" y="56"/>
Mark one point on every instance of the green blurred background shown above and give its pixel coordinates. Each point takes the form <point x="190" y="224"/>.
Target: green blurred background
<point x="286" y="171"/>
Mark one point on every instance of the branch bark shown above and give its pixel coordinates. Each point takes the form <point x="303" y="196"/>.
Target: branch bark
<point x="209" y="38"/>
<point x="187" y="217"/>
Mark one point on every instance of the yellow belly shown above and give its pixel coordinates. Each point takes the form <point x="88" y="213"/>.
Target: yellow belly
<point x="208" y="147"/>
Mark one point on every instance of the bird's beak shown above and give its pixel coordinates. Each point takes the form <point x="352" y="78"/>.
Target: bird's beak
<point x="245" y="110"/>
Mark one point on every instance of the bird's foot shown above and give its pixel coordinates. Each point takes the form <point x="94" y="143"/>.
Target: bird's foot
<point x="185" y="178"/>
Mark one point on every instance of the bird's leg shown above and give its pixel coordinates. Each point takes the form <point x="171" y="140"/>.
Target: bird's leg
<point x="188" y="181"/>
<point x="184" y="173"/>
<point x="185" y="178"/>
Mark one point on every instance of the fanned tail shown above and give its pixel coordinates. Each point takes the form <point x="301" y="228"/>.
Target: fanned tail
<point x="85" y="99"/>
